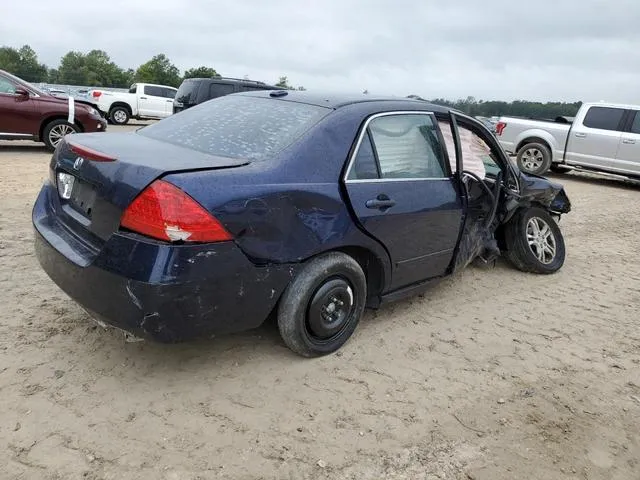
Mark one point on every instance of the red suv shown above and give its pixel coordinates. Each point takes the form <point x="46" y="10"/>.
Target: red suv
<point x="27" y="113"/>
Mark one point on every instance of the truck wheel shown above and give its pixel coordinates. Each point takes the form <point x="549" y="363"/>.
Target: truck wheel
<point x="534" y="158"/>
<point x="322" y="305"/>
<point x="55" y="131"/>
<point x="534" y="241"/>
<point x="119" y="115"/>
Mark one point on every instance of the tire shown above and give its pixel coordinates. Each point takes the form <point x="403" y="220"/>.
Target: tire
<point x="559" y="168"/>
<point x="534" y="158"/>
<point x="119" y="115"/>
<point x="322" y="306"/>
<point x="55" y="130"/>
<point x="534" y="258"/>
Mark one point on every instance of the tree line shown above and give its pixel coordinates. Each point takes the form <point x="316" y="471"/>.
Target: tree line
<point x="96" y="69"/>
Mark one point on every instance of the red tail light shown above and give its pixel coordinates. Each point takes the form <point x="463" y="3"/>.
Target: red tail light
<point x="165" y="212"/>
<point x="500" y="126"/>
<point x="96" y="94"/>
<point x="91" y="154"/>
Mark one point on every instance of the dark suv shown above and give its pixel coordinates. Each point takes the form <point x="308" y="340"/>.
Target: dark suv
<point x="193" y="91"/>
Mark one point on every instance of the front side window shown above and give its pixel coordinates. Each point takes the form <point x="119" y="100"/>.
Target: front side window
<point x="6" y="86"/>
<point x="477" y="156"/>
<point x="407" y="147"/>
<point x="603" y="118"/>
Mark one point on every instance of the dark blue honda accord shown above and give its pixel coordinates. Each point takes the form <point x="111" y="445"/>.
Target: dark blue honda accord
<point x="309" y="207"/>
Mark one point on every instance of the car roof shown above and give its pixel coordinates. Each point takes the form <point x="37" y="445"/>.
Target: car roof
<point x="243" y="81"/>
<point x="338" y="100"/>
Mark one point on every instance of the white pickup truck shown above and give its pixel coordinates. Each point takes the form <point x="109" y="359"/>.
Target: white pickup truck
<point x="143" y="101"/>
<point x="602" y="137"/>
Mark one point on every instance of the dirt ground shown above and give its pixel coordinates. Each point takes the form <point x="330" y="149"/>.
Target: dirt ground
<point x="491" y="375"/>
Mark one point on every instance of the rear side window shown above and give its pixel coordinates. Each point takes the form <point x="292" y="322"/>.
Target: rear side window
<point x="220" y="89"/>
<point x="365" y="166"/>
<point x="408" y="146"/>
<point x="188" y="92"/>
<point x="154" y="91"/>
<point x="603" y="118"/>
<point x="237" y="126"/>
<point x="168" y="92"/>
<point x="635" y="126"/>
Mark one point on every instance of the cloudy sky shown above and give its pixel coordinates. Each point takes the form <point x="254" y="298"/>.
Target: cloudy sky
<point x="492" y="49"/>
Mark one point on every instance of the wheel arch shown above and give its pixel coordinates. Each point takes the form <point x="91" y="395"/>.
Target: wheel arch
<point x="47" y="120"/>
<point x="120" y="104"/>
<point x="537" y="136"/>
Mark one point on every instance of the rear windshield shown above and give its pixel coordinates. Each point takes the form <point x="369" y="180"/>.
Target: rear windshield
<point x="188" y="92"/>
<point x="237" y="126"/>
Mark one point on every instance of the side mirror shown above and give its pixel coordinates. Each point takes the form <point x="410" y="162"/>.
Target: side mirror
<point x="22" y="93"/>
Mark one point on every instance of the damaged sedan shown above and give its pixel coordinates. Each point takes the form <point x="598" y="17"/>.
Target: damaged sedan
<point x="306" y="207"/>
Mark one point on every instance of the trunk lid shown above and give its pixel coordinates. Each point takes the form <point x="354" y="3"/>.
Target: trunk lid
<point x="102" y="190"/>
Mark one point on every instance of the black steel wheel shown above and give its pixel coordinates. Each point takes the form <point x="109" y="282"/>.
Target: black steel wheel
<point x="322" y="306"/>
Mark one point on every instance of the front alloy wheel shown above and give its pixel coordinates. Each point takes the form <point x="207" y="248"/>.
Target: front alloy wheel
<point x="534" y="241"/>
<point x="541" y="240"/>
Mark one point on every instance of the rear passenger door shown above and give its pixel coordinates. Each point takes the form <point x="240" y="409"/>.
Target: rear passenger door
<point x="594" y="141"/>
<point x="169" y="95"/>
<point x="151" y="102"/>
<point x="401" y="189"/>
<point x="628" y="158"/>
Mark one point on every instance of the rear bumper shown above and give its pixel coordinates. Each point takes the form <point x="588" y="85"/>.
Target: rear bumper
<point x="153" y="290"/>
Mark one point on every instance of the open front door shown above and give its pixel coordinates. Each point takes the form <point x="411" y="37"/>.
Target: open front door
<point x="480" y="177"/>
<point x="402" y="191"/>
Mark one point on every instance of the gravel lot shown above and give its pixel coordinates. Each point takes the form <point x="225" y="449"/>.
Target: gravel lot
<point x="493" y="374"/>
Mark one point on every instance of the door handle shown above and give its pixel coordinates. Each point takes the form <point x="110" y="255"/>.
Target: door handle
<point x="628" y="141"/>
<point x="143" y="98"/>
<point x="169" y="101"/>
<point x="581" y="135"/>
<point x="381" y="202"/>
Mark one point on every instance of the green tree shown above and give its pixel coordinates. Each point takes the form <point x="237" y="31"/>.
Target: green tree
<point x="201" y="72"/>
<point x="159" y="70"/>
<point x="92" y="69"/>
<point x="283" y="82"/>
<point x="72" y="69"/>
<point x="23" y="63"/>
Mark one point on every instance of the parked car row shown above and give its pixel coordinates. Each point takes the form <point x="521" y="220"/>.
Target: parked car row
<point x="146" y="101"/>
<point x="601" y="138"/>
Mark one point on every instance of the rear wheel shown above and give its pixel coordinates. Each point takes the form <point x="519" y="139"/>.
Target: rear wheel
<point x="55" y="131"/>
<point x="534" y="158"/>
<point x="119" y="115"/>
<point x="321" y="307"/>
<point x="534" y="242"/>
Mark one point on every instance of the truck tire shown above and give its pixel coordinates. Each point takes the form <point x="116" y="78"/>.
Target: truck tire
<point x="119" y="115"/>
<point x="534" y="158"/>
<point x="55" y="130"/>
<point x="534" y="242"/>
